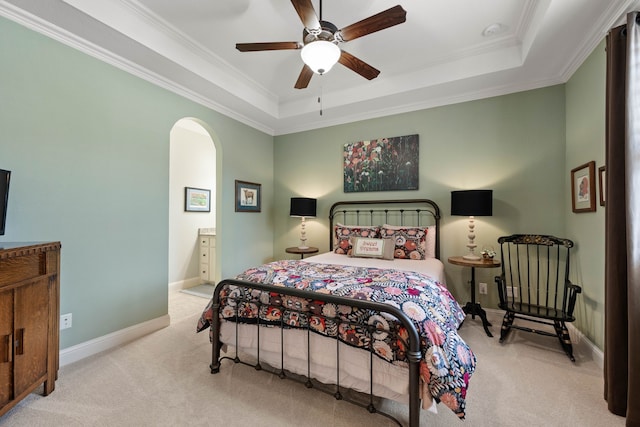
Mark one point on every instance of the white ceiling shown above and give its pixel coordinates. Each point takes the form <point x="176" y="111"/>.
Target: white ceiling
<point x="438" y="56"/>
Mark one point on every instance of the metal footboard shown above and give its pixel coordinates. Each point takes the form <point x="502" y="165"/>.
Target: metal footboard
<point x="412" y="344"/>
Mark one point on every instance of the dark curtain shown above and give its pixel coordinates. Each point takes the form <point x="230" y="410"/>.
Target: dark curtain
<point x="622" y="223"/>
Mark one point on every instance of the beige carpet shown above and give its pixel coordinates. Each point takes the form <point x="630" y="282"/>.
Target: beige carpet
<point x="204" y="290"/>
<point x="163" y="379"/>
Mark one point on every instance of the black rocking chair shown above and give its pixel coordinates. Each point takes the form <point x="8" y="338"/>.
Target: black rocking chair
<point x="534" y="285"/>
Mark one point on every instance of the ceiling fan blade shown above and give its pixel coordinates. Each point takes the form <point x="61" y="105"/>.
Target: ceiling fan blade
<point x="304" y="78"/>
<point x="390" y="17"/>
<point x="307" y="13"/>
<point x="254" y="47"/>
<point x="358" y="65"/>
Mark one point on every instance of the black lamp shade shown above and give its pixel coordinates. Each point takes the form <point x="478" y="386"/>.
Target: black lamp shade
<point x="472" y="202"/>
<point x="303" y="206"/>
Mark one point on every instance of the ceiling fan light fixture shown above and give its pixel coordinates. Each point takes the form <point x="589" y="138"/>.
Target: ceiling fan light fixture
<point x="320" y="55"/>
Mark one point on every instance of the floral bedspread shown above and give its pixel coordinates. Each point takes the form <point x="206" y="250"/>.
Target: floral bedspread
<point x="447" y="362"/>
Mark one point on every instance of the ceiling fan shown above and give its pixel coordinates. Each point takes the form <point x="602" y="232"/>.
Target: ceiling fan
<point x="320" y="49"/>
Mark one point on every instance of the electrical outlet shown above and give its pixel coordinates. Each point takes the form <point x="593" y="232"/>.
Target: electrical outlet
<point x="483" y="288"/>
<point x="512" y="292"/>
<point x="65" y="321"/>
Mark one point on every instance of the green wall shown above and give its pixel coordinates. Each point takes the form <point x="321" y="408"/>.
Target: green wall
<point x="512" y="144"/>
<point x="88" y="145"/>
<point x="585" y="93"/>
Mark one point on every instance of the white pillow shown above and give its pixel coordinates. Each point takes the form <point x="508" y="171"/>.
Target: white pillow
<point x="430" y="250"/>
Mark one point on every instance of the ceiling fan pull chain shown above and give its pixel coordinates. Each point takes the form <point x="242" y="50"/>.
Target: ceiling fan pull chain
<point x="320" y="100"/>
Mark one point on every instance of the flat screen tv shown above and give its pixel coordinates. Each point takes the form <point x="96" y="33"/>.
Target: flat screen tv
<point x="4" y="197"/>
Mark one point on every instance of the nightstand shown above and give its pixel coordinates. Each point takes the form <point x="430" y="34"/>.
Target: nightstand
<point x="302" y="252"/>
<point x="473" y="307"/>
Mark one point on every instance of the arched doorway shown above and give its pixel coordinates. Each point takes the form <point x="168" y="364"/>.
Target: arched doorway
<point x="192" y="165"/>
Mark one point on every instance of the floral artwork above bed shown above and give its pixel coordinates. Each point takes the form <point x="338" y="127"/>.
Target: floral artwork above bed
<point x="447" y="362"/>
<point x="383" y="164"/>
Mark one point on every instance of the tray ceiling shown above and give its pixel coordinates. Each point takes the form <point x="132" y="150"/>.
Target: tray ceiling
<point x="447" y="51"/>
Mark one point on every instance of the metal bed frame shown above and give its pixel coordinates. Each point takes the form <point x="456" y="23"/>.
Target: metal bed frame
<point x="413" y="210"/>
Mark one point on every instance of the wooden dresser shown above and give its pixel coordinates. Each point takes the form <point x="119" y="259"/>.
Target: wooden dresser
<point x="29" y="319"/>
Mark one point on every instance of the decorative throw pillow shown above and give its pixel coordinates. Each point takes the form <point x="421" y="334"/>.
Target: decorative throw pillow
<point x="367" y="247"/>
<point x="343" y="234"/>
<point x="410" y="242"/>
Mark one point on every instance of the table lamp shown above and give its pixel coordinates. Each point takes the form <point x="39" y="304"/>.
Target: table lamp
<point x="303" y="207"/>
<point x="472" y="203"/>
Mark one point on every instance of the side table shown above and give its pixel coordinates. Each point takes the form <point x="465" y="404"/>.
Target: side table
<point x="473" y="307"/>
<point x="301" y="252"/>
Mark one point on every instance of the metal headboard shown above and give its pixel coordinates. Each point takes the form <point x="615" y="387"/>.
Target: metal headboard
<point x="410" y="212"/>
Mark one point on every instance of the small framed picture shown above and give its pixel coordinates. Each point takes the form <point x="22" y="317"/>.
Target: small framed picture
<point x="248" y="196"/>
<point x="197" y="199"/>
<point x="602" y="180"/>
<point x="583" y="188"/>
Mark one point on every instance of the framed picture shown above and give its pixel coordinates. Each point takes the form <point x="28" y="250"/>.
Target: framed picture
<point x="602" y="180"/>
<point x="583" y="188"/>
<point x="247" y="196"/>
<point x="383" y="164"/>
<point x="197" y="199"/>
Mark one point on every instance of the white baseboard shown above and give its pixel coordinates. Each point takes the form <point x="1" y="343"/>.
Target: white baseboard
<point x="114" y="339"/>
<point x="578" y="339"/>
<point x="585" y="345"/>
<point x="185" y="284"/>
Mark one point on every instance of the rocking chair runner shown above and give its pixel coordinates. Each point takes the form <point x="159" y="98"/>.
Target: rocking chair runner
<point x="534" y="285"/>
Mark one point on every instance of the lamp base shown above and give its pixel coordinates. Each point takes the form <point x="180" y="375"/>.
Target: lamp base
<point x="471" y="255"/>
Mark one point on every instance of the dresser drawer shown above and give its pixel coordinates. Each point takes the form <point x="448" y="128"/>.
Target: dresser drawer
<point x="22" y="267"/>
<point x="204" y="272"/>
